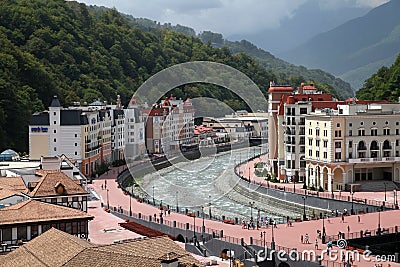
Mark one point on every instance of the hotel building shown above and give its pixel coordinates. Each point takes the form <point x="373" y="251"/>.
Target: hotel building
<point x="355" y="143"/>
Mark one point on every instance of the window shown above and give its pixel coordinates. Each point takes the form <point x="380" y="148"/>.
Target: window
<point x="55" y="140"/>
<point x="362" y="123"/>
<point x="310" y="131"/>
<point x="303" y="110"/>
<point x="55" y="131"/>
<point x="325" y="143"/>
<point x="317" y="132"/>
<point x="361" y="132"/>
<point x="76" y="144"/>
<point x="55" y="149"/>
<point x="54" y="122"/>
<point x="76" y="135"/>
<point x="350" y="155"/>
<point x="317" y="154"/>
<point x="350" y="144"/>
<point x="76" y="153"/>
<point x="310" y="153"/>
<point x="386" y="131"/>
<point x="374" y="123"/>
<point x="350" y="133"/>
<point x="6" y="234"/>
<point x="338" y="155"/>
<point x="325" y="155"/>
<point x="337" y="124"/>
<point x="310" y="142"/>
<point x="397" y="131"/>
<point x="338" y="144"/>
<point x="325" y="133"/>
<point x="317" y="143"/>
<point x="350" y="124"/>
<point x="374" y="132"/>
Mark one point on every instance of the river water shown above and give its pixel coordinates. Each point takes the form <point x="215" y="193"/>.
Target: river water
<point x="191" y="184"/>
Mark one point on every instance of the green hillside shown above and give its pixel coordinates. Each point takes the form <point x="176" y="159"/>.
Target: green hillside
<point x="383" y="85"/>
<point x="286" y="72"/>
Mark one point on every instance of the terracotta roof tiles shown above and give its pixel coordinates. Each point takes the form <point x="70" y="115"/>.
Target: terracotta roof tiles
<point x="37" y="211"/>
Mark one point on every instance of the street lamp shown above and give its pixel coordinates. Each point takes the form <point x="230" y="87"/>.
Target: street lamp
<point x="304" y="208"/>
<point x="273" y="240"/>
<point x="352" y="203"/>
<point x="194" y="227"/>
<point x="130" y="202"/>
<point x="323" y="229"/>
<point x="108" y="202"/>
<point x="251" y="209"/>
<point x="249" y="174"/>
<point x="154" y="203"/>
<point x="379" y="221"/>
<point x="385" y="190"/>
<point x="209" y="206"/>
<point x="395" y="199"/>
<point x="203" y="229"/>
<point x="177" y="208"/>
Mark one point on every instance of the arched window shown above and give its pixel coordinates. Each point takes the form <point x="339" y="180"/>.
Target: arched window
<point x="361" y="146"/>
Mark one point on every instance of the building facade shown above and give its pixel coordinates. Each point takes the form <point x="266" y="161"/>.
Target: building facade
<point x="358" y="142"/>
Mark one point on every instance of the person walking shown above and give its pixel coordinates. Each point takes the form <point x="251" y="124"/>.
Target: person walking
<point x="359" y="219"/>
<point x="306" y="239"/>
<point x="316" y="244"/>
<point x="301" y="239"/>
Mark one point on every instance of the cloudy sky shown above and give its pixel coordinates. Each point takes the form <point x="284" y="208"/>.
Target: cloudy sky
<point x="230" y="17"/>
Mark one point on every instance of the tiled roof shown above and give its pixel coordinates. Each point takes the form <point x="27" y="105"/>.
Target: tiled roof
<point x="37" y="211"/>
<point x="13" y="183"/>
<point x="52" y="248"/>
<point x="47" y="185"/>
<point x="56" y="248"/>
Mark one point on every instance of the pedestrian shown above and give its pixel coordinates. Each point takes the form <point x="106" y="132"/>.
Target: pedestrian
<point x="306" y="239"/>
<point x="243" y="224"/>
<point x="316" y="244"/>
<point x="342" y="218"/>
<point x="348" y="228"/>
<point x="101" y="186"/>
<point x="275" y="224"/>
<point x="301" y="239"/>
<point x="359" y="219"/>
<point x="169" y="212"/>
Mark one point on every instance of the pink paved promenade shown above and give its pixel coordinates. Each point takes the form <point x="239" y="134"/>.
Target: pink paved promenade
<point x="370" y="196"/>
<point x="284" y="236"/>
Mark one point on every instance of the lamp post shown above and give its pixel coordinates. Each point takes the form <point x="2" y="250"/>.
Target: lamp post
<point x="108" y="202"/>
<point x="304" y="208"/>
<point x="177" y="207"/>
<point x="203" y="229"/>
<point x="209" y="206"/>
<point x="396" y="204"/>
<point x="251" y="203"/>
<point x="379" y="221"/>
<point x="323" y="229"/>
<point x="130" y="202"/>
<point x="194" y="227"/>
<point x="385" y="190"/>
<point x="249" y="175"/>
<point x="154" y="203"/>
<point x="272" y="239"/>
<point x="352" y="203"/>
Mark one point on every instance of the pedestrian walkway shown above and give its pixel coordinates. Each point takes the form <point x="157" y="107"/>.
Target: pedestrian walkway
<point x="373" y="198"/>
<point x="284" y="236"/>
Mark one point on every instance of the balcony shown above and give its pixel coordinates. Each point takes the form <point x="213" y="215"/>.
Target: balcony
<point x="387" y="147"/>
<point x="362" y="148"/>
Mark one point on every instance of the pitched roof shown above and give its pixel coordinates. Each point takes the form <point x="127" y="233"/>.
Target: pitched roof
<point x="13" y="183"/>
<point x="40" y="119"/>
<point x="37" y="211"/>
<point x="55" y="102"/>
<point x="52" y="248"/>
<point x="56" y="248"/>
<point x="47" y="185"/>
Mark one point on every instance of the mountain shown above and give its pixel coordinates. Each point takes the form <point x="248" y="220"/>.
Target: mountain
<point x="286" y="72"/>
<point x="356" y="48"/>
<point x="301" y="25"/>
<point x="383" y="85"/>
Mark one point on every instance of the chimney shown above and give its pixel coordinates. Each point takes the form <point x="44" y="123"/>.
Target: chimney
<point x="170" y="260"/>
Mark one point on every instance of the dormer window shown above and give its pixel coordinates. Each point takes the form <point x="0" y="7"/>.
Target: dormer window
<point x="60" y="188"/>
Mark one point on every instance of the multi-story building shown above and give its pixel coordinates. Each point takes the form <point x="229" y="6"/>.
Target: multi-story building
<point x="358" y="142"/>
<point x="134" y="132"/>
<point x="90" y="135"/>
<point x="169" y="125"/>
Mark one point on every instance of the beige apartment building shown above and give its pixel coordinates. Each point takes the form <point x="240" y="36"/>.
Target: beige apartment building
<point x="355" y="143"/>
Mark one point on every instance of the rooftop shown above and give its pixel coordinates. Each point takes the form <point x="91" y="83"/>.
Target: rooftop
<point x="37" y="211"/>
<point x="56" y="248"/>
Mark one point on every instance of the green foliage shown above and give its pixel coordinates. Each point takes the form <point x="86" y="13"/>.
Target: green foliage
<point x="383" y="85"/>
<point x="84" y="54"/>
